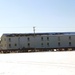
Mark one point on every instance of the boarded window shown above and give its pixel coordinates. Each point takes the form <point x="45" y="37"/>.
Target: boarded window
<point x="47" y="38"/>
<point x="28" y="44"/>
<point x="69" y="37"/>
<point x="58" y="38"/>
<point x="28" y="39"/>
<point x="47" y="44"/>
<point x="69" y="43"/>
<point x="42" y="38"/>
<point x="42" y="44"/>
<point x="58" y="43"/>
<point x="15" y="44"/>
<point x="10" y="45"/>
<point x="9" y="39"/>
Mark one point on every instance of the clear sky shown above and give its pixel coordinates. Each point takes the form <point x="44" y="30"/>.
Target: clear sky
<point x="19" y="16"/>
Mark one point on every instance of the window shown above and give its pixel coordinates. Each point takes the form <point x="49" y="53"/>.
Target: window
<point x="28" y="39"/>
<point x="69" y="43"/>
<point x="48" y="38"/>
<point x="42" y="38"/>
<point x="47" y="44"/>
<point x="10" y="45"/>
<point x="58" y="38"/>
<point x="28" y="44"/>
<point x="42" y="44"/>
<point x="69" y="37"/>
<point x="15" y="44"/>
<point x="9" y="39"/>
<point x="58" y="43"/>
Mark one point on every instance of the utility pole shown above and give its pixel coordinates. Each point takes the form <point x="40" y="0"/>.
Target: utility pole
<point x="34" y="38"/>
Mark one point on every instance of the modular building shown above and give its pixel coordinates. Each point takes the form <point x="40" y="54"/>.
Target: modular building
<point x="38" y="41"/>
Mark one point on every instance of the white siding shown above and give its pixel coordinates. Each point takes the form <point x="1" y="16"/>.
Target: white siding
<point x="12" y="42"/>
<point x="48" y="41"/>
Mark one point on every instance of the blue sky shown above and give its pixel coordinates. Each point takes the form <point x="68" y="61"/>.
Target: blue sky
<point x="19" y="16"/>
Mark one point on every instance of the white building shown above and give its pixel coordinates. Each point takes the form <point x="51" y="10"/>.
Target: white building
<point x="38" y="41"/>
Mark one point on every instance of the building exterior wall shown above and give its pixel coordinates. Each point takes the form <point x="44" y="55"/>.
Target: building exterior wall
<point x="3" y="42"/>
<point x="12" y="43"/>
<point x="39" y="41"/>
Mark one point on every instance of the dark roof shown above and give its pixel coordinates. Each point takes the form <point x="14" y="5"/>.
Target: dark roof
<point x="29" y="34"/>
